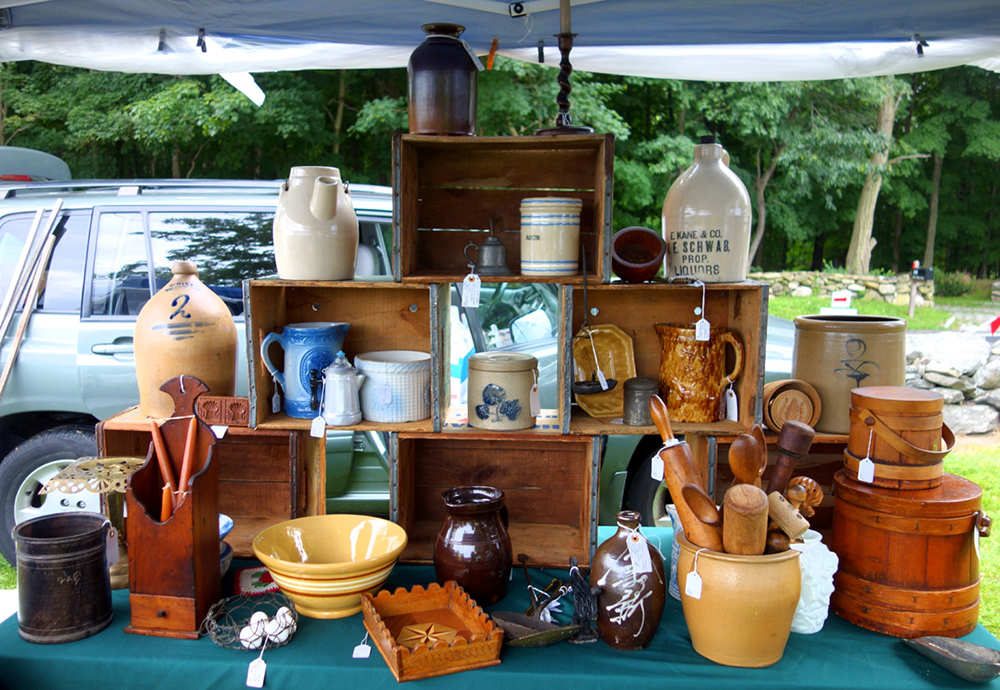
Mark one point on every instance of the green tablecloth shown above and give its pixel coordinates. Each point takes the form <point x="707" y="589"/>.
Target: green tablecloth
<point x="842" y="655"/>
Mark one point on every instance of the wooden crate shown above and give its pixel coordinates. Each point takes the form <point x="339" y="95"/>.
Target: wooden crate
<point x="447" y="191"/>
<point x="739" y="307"/>
<point x="265" y="476"/>
<point x="383" y="316"/>
<point x="549" y="482"/>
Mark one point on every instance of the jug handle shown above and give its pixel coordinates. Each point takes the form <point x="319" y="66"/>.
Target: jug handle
<point x="316" y="381"/>
<point x="466" y="252"/>
<point x="738" y="347"/>
<point x="272" y="338"/>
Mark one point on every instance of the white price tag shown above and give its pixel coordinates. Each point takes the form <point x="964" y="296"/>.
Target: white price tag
<point x="255" y="674"/>
<point x="656" y="468"/>
<point x="383" y="394"/>
<point x="692" y="587"/>
<point x="112" y="546"/>
<point x="732" y="405"/>
<point x="276" y="403"/>
<point x="470" y="291"/>
<point x="866" y="471"/>
<point x="362" y="651"/>
<point x="318" y="428"/>
<point x="702" y="329"/>
<point x="219" y="430"/>
<point x="536" y="401"/>
<point x="638" y="553"/>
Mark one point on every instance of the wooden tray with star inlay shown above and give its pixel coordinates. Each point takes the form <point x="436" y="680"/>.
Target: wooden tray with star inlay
<point x="422" y="633"/>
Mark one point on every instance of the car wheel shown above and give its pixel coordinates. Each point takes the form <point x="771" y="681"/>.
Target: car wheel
<point x="28" y="467"/>
<point x="647" y="496"/>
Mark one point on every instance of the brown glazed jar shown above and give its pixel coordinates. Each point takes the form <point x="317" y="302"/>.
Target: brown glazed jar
<point x="473" y="547"/>
<point x="630" y="604"/>
<point x="443" y="82"/>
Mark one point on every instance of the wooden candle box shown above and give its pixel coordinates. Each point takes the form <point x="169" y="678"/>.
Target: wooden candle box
<point x="635" y="309"/>
<point x="264" y="476"/>
<point x="382" y="315"/>
<point x="447" y="191"/>
<point x="549" y="482"/>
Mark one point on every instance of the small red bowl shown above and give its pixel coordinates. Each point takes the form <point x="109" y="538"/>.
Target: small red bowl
<point x="637" y="254"/>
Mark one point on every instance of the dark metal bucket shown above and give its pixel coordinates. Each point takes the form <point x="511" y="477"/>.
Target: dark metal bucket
<point x="63" y="587"/>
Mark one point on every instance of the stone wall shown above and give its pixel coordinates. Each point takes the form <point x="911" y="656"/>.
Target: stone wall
<point x="963" y="367"/>
<point x="895" y="289"/>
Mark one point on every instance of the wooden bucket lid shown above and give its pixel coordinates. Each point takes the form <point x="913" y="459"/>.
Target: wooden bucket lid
<point x="897" y="400"/>
<point x="954" y="497"/>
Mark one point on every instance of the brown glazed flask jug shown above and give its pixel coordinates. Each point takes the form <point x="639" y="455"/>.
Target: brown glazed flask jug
<point x="473" y="547"/>
<point x="443" y="82"/>
<point x="633" y="590"/>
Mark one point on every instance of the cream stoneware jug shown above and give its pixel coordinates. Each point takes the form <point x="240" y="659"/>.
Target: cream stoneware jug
<point x="315" y="228"/>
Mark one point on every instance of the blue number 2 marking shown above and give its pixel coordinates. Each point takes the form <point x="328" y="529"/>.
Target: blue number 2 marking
<point x="179" y="311"/>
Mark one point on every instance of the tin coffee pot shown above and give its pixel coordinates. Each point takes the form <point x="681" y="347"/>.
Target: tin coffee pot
<point x="492" y="257"/>
<point x="341" y="386"/>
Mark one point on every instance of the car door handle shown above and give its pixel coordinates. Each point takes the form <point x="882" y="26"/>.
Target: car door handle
<point x="120" y="346"/>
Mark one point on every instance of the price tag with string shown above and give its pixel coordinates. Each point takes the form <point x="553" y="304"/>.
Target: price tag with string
<point x="638" y="553"/>
<point x="535" y="397"/>
<point x="866" y="468"/>
<point x="275" y="399"/>
<point x="257" y="669"/>
<point x="732" y="405"/>
<point x="702" y="328"/>
<point x="363" y="650"/>
<point x="656" y="468"/>
<point x="471" y="286"/>
<point x="693" y="584"/>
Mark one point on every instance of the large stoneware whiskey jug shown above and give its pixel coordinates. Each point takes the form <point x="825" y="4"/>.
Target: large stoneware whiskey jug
<point x="315" y="227"/>
<point x="184" y="329"/>
<point x="443" y="81"/>
<point x="706" y="219"/>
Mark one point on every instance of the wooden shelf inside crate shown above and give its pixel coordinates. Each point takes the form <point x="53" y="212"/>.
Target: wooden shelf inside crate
<point x="283" y="421"/>
<point x="448" y="191"/>
<point x="582" y="424"/>
<point x="549" y="482"/>
<point x="635" y="309"/>
<point x="449" y="276"/>
<point x="456" y="420"/>
<point x="382" y="316"/>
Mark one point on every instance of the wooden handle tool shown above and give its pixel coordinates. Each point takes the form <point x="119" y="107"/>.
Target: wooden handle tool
<point x="744" y="460"/>
<point x="785" y="516"/>
<point x="745" y="510"/>
<point x="166" y="469"/>
<point x="661" y="418"/>
<point x="678" y="470"/>
<point x="794" y="441"/>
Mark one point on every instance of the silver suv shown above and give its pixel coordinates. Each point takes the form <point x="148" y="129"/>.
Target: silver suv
<point x="116" y="242"/>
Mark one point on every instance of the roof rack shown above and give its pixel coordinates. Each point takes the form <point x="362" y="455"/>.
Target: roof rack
<point x="13" y="190"/>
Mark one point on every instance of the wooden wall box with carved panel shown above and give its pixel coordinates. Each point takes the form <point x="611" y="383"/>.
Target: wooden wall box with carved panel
<point x="447" y="191"/>
<point x="635" y="309"/>
<point x="382" y="315"/>
<point x="265" y="476"/>
<point x="549" y="482"/>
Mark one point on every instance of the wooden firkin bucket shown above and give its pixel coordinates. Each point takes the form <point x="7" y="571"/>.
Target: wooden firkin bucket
<point x="909" y="566"/>
<point x="902" y="431"/>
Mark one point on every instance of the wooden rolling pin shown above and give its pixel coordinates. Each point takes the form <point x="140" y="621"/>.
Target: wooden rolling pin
<point x="745" y="511"/>
<point x="679" y="469"/>
<point x="794" y="441"/>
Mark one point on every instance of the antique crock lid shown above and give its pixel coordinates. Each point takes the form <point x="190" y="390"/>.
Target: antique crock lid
<point x="502" y="361"/>
<point x="641" y="384"/>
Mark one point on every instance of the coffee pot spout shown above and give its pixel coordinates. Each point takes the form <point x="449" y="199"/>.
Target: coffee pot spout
<point x="323" y="202"/>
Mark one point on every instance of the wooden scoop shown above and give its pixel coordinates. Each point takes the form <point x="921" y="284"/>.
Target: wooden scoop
<point x="744" y="460"/>
<point x="701" y="504"/>
<point x="757" y="431"/>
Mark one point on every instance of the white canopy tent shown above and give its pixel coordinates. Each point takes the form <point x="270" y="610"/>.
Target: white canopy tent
<point x="725" y="40"/>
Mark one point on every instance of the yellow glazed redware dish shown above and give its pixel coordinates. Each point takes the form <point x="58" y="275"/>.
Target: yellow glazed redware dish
<point x="323" y="563"/>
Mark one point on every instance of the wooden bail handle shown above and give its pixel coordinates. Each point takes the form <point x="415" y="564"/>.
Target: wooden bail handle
<point x="901" y="445"/>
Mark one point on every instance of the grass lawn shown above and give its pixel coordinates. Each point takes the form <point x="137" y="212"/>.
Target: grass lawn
<point x="924" y="318"/>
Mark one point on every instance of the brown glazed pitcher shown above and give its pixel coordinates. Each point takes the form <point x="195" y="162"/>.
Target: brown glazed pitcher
<point x="693" y="374"/>
<point x="473" y="547"/>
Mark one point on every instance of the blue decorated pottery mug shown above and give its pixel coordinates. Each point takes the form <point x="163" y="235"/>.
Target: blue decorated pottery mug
<point x="309" y="347"/>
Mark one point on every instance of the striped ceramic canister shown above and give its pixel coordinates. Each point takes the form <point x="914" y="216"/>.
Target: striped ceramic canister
<point x="550" y="236"/>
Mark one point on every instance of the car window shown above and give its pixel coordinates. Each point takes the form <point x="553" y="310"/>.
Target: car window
<point x="120" y="284"/>
<point x="64" y="281"/>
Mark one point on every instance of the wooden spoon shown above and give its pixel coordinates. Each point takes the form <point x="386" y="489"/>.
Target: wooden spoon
<point x="701" y="504"/>
<point x="744" y="459"/>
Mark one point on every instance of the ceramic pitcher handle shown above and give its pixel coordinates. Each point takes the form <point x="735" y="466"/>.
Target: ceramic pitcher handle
<point x="272" y="338"/>
<point x="738" y="347"/>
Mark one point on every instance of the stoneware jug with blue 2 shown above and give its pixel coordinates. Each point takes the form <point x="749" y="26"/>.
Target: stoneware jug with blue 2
<point x="309" y="349"/>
